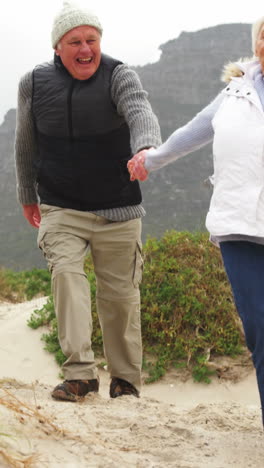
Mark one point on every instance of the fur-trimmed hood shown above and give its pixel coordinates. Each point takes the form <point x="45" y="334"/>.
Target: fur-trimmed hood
<point x="237" y="69"/>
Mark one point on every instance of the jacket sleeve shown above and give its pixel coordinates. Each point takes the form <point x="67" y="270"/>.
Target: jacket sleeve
<point x="25" y="144"/>
<point x="132" y="103"/>
<point x="197" y="133"/>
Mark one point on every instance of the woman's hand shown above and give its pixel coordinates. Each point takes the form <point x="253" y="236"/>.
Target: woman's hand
<point x="136" y="167"/>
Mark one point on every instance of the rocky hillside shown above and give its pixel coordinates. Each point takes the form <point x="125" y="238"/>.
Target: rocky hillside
<point x="181" y="83"/>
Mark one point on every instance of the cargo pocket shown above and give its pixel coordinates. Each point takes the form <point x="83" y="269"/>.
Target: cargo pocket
<point x="138" y="266"/>
<point x="44" y="247"/>
<point x="40" y="238"/>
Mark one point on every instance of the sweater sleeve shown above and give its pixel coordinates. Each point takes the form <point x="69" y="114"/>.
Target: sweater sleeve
<point x="25" y="144"/>
<point x="192" y="136"/>
<point x="131" y="101"/>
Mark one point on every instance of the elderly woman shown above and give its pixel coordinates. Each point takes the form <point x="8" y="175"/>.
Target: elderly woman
<point x="234" y="122"/>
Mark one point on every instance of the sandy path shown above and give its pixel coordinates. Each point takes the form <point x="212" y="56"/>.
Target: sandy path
<point x="173" y="424"/>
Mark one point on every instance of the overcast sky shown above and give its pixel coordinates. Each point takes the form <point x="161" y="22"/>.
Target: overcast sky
<point x="133" y="30"/>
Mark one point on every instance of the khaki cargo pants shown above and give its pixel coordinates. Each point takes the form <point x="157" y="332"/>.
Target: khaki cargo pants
<point x="65" y="236"/>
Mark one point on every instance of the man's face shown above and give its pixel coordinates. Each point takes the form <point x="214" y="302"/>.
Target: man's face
<point x="80" y="51"/>
<point x="260" y="47"/>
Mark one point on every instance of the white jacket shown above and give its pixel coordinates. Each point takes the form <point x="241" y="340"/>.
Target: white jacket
<point x="237" y="203"/>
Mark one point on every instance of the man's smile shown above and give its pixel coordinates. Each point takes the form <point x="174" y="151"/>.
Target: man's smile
<point x="84" y="60"/>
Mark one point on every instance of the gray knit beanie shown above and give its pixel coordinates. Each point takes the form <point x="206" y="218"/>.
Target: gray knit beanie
<point x="69" y="17"/>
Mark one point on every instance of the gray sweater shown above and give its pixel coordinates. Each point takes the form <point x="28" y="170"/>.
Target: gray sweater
<point x="131" y="102"/>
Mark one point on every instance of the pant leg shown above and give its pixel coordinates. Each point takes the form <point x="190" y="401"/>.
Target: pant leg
<point x="116" y="251"/>
<point x="244" y="264"/>
<point x="65" y="252"/>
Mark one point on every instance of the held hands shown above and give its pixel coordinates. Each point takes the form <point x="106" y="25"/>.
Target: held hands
<point x="32" y="214"/>
<point x="137" y="168"/>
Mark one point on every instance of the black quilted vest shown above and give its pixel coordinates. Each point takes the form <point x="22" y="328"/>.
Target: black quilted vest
<point x="83" y="144"/>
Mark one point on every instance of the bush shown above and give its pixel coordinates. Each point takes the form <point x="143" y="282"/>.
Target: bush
<point x="20" y="286"/>
<point x="187" y="308"/>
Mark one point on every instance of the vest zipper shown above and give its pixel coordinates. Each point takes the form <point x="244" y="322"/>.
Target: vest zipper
<point x="69" y="106"/>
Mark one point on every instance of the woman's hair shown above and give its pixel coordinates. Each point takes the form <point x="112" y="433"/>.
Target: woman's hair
<point x="232" y="69"/>
<point x="256" y="27"/>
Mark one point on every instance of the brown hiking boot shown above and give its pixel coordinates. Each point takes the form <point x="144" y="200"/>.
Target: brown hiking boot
<point x="73" y="390"/>
<point x="119" y="387"/>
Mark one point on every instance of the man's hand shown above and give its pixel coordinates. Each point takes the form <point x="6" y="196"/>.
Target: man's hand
<point x="136" y="167"/>
<point x="32" y="214"/>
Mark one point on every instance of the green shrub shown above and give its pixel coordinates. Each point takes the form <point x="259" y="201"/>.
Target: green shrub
<point x="24" y="285"/>
<point x="187" y="308"/>
<point x="43" y="316"/>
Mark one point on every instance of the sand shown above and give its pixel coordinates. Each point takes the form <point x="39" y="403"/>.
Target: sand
<point x="176" y="422"/>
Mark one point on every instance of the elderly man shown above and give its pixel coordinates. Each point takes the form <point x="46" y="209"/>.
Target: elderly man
<point x="80" y="118"/>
